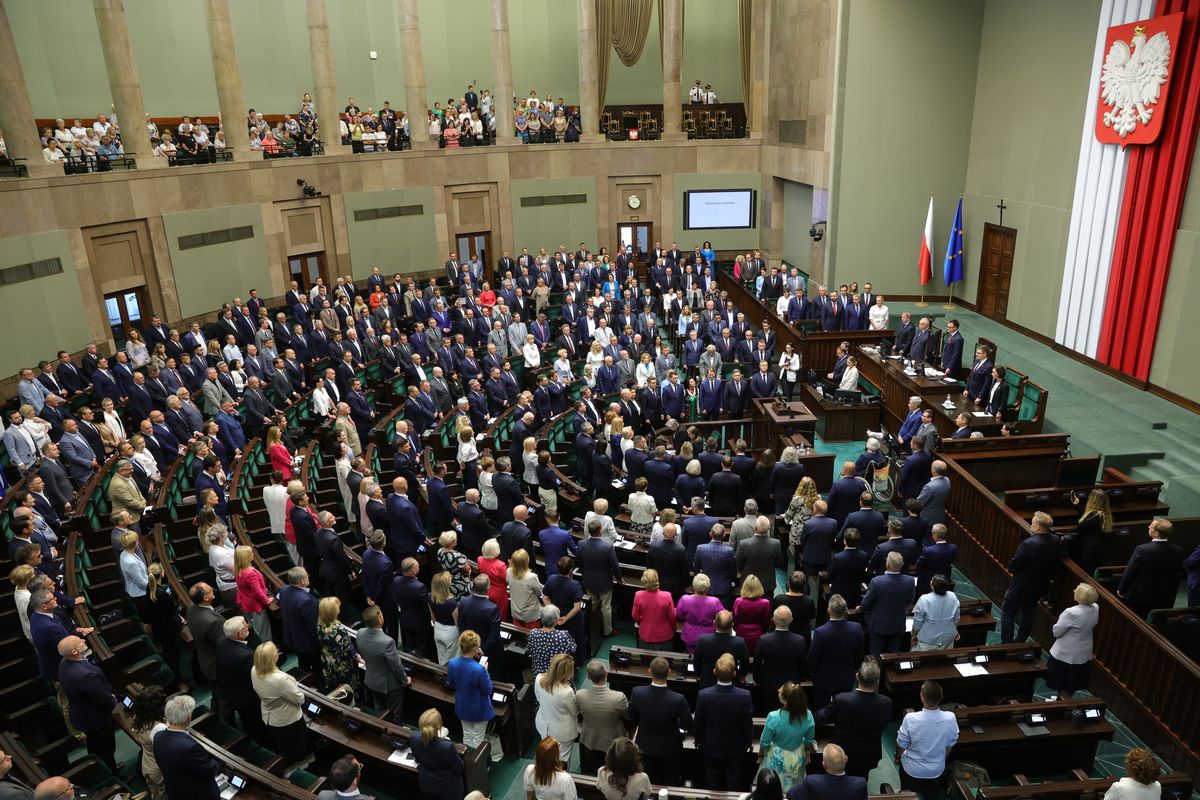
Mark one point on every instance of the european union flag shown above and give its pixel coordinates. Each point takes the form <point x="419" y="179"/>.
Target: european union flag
<point x="952" y="268"/>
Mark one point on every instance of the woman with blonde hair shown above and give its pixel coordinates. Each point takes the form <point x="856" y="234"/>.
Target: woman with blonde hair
<point x="547" y="777"/>
<point x="165" y="621"/>
<point x="281" y="459"/>
<point x="281" y="699"/>
<point x="455" y="564"/>
<point x="497" y="571"/>
<point x="20" y="578"/>
<point x="595" y="357"/>
<point x="112" y="432"/>
<point x="697" y="611"/>
<point x="220" y="558"/>
<point x="751" y="612"/>
<point x="524" y="591"/>
<point x="799" y="511"/>
<point x="339" y="659"/>
<point x="654" y="613"/>
<point x="1069" y="667"/>
<point x="467" y="455"/>
<point x="472" y="689"/>
<point x="558" y="709"/>
<point x="252" y="597"/>
<point x="562" y="366"/>
<point x="145" y="458"/>
<point x="487" y="494"/>
<point x="529" y="462"/>
<point x="439" y="766"/>
<point x="443" y="611"/>
<point x="1087" y="546"/>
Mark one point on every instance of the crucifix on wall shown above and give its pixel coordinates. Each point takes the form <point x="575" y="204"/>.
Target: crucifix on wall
<point x="1001" y="206"/>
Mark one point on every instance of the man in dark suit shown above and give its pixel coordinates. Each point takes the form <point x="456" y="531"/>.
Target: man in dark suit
<point x="848" y="570"/>
<point x="922" y="342"/>
<point x="916" y="471"/>
<point x="712" y="646"/>
<point x="726" y="491"/>
<point x="895" y="543"/>
<point x="845" y="494"/>
<point x="298" y="609"/>
<point x="235" y="660"/>
<point x="724" y="727"/>
<point x="377" y="575"/>
<point x="952" y="350"/>
<point x="336" y="569"/>
<point x="979" y="379"/>
<point x="207" y="627"/>
<point x="1151" y="577"/>
<point x="859" y="719"/>
<point x="599" y="568"/>
<point x="475" y="526"/>
<point x="834" y="783"/>
<point x="385" y="676"/>
<point x="837" y="650"/>
<point x="780" y="656"/>
<point x="187" y="768"/>
<point x="696" y="526"/>
<point x="515" y="534"/>
<point x="870" y="524"/>
<point x="660" y="714"/>
<point x="660" y="478"/>
<point x="90" y="698"/>
<point x="509" y="494"/>
<point x="477" y="613"/>
<point x="1032" y="566"/>
<point x="412" y="597"/>
<point x="716" y="560"/>
<point x="668" y="557"/>
<point x="816" y="542"/>
<point x="885" y="606"/>
<point x="937" y="559"/>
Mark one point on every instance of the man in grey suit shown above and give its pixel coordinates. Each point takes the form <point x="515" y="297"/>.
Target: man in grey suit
<point x="928" y="431"/>
<point x="625" y="370"/>
<point x="759" y="556"/>
<point x="58" y="486"/>
<point x="18" y="440"/>
<point x="76" y="452"/>
<point x="385" y="677"/>
<point x="604" y="711"/>
<point x="933" y="497"/>
<point x="440" y="391"/>
<point x="214" y="394"/>
<point x="208" y="628"/>
<point x="343" y="777"/>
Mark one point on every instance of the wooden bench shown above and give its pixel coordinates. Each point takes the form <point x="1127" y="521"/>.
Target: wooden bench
<point x="1012" y="670"/>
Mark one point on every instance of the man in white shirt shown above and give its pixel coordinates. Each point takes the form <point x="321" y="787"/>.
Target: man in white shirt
<point x="710" y="97"/>
<point x="923" y="742"/>
<point x="696" y="94"/>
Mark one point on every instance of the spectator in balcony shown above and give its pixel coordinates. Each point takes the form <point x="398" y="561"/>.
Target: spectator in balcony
<point x="166" y="147"/>
<point x="79" y="130"/>
<point x="560" y="123"/>
<point x="52" y="153"/>
<point x="451" y="134"/>
<point x="219" y="140"/>
<point x="308" y="137"/>
<point x="255" y="140"/>
<point x="521" y="123"/>
<point x="269" y="144"/>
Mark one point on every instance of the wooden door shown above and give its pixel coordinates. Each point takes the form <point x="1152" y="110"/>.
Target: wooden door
<point x="995" y="270"/>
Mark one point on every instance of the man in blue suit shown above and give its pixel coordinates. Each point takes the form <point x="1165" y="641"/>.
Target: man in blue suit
<point x="187" y="768"/>
<point x="922" y="342"/>
<point x="834" y="783"/>
<point x="816" y="542"/>
<point x="837" y="650"/>
<point x="77" y="454"/>
<point x="937" y="559"/>
<point x="764" y="383"/>
<point x="47" y="631"/>
<point x="672" y="397"/>
<point x="909" y="549"/>
<point x="1032" y="567"/>
<point x="952" y="350"/>
<point x="91" y="699"/>
<point x="856" y="315"/>
<point x="478" y="613"/>
<point x="660" y="478"/>
<point x="718" y="561"/>
<point x="724" y="728"/>
<point x="844" y="494"/>
<point x="885" y="606"/>
<point x="298" y="609"/>
<point x="660" y="713"/>
<point x="870" y="524"/>
<point x="916" y="471"/>
<point x="696" y="526"/>
<point x="711" y="395"/>
<point x="377" y="575"/>
<point x="207" y="479"/>
<point x="439" y="512"/>
<point x="405" y="527"/>
<point x="230" y="428"/>
<point x="412" y="598"/>
<point x="912" y="422"/>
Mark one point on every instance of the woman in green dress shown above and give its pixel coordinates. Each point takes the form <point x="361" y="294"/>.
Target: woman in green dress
<point x="339" y="659"/>
<point x="787" y="732"/>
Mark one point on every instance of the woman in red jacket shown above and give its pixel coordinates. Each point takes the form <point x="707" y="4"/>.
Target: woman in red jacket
<point x="654" y="613"/>
<point x="281" y="459"/>
<point x="252" y="597"/>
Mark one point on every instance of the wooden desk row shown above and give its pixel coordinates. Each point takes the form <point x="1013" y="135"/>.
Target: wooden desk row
<point x="1005" y="672"/>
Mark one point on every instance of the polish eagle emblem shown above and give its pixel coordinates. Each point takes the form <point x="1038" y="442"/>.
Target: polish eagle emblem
<point x="1131" y="79"/>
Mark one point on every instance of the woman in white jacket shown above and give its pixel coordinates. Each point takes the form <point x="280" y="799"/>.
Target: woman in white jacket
<point x="558" y="710"/>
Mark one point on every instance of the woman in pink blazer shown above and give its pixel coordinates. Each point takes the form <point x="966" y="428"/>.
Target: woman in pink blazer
<point x="281" y="459"/>
<point x="654" y="613"/>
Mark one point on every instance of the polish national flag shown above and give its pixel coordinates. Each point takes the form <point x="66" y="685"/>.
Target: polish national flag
<point x="926" y="260"/>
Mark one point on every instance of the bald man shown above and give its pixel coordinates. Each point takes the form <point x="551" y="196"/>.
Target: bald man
<point x="834" y="784"/>
<point x="91" y="699"/>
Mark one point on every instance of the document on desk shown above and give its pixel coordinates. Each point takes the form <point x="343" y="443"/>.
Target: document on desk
<point x="970" y="670"/>
<point x="980" y="414"/>
<point x="1033" y="730"/>
<point x="403" y="756"/>
<point x="625" y="544"/>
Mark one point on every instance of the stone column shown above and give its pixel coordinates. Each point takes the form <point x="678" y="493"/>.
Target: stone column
<point x="324" y="86"/>
<point x="760" y="68"/>
<point x="672" y="67"/>
<point x="230" y="100"/>
<point x="123" y="81"/>
<point x="16" y="112"/>
<point x="589" y="98"/>
<point x="409" y="22"/>
<point x="502" y="83"/>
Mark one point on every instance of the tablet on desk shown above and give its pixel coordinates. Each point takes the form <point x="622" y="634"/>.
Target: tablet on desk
<point x="497" y="697"/>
